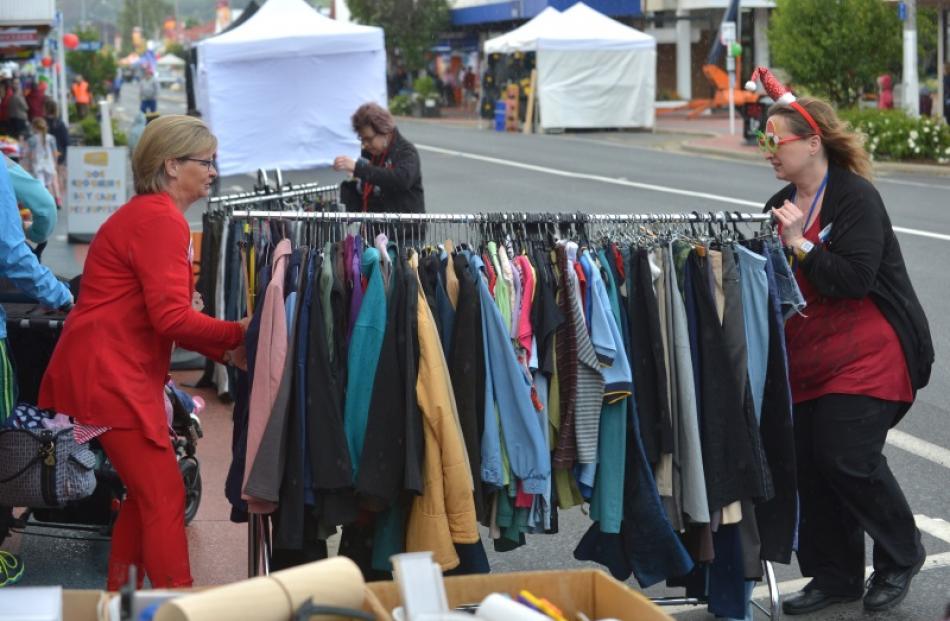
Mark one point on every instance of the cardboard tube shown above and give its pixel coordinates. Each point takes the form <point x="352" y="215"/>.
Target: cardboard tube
<point x="333" y="582"/>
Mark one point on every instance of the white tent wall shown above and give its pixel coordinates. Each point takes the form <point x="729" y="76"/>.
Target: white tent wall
<point x="300" y="115"/>
<point x="596" y="88"/>
<point x="280" y="89"/>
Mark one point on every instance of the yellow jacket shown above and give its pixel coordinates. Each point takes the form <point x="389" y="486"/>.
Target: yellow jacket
<point x="445" y="513"/>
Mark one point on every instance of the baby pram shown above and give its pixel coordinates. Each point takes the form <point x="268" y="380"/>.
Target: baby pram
<point x="32" y="334"/>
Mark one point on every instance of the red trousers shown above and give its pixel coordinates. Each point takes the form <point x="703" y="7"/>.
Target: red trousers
<point x="150" y="530"/>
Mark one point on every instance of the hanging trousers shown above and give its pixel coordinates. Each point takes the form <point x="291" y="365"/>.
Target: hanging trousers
<point x="150" y="530"/>
<point x="846" y="489"/>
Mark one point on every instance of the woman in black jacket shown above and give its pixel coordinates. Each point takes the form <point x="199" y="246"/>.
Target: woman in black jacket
<point x="857" y="356"/>
<point x="388" y="175"/>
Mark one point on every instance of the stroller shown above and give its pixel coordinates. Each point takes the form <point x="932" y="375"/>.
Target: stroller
<point x="32" y="334"/>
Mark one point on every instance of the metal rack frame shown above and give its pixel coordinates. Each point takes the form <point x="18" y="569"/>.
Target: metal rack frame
<point x="259" y="528"/>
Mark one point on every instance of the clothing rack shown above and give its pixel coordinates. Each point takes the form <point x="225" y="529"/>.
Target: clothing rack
<point x="259" y="528"/>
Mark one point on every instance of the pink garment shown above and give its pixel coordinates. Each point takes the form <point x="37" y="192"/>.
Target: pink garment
<point x="525" y="329"/>
<point x="268" y="367"/>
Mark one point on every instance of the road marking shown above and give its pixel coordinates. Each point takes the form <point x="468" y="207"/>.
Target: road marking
<point x="920" y="448"/>
<point x="934" y="561"/>
<point x="935" y="527"/>
<point x="919" y="233"/>
<point x="916" y="184"/>
<point x="635" y="184"/>
<point x="598" y="178"/>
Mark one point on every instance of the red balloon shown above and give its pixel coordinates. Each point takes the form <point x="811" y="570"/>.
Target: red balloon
<point x="47" y="62"/>
<point x="71" y="41"/>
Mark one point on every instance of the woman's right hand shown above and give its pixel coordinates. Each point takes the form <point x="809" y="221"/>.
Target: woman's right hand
<point x="238" y="357"/>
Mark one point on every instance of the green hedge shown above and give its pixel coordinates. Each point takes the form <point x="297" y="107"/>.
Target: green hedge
<point x="893" y="135"/>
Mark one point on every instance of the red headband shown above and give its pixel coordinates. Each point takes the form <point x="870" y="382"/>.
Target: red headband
<point x="802" y="111"/>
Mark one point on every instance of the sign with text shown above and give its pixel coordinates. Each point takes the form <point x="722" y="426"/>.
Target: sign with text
<point x="97" y="185"/>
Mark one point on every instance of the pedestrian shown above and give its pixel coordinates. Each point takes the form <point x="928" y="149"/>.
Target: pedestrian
<point x="148" y="92"/>
<point x="18" y="109"/>
<point x="40" y="158"/>
<point x="117" y="85"/>
<point x="468" y="84"/>
<point x="58" y="129"/>
<point x="35" y="95"/>
<point x="885" y="98"/>
<point x="111" y="362"/>
<point x="946" y="92"/>
<point x="857" y="356"/>
<point x="388" y="174"/>
<point x="20" y="266"/>
<point x="81" y="97"/>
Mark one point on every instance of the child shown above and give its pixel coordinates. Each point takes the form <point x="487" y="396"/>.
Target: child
<point x="40" y="158"/>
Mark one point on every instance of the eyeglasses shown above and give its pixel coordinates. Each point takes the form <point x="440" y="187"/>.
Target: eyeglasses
<point x="206" y="163"/>
<point x="769" y="143"/>
<point x="365" y="140"/>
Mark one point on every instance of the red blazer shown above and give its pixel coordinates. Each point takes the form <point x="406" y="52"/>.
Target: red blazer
<point x="112" y="359"/>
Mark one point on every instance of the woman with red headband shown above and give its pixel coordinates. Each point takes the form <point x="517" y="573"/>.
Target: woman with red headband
<point x="857" y="356"/>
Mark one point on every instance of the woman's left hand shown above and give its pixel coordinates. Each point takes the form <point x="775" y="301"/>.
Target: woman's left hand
<point x="344" y="164"/>
<point x="792" y="220"/>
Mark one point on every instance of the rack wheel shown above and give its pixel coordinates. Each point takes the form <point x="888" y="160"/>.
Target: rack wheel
<point x="191" y="475"/>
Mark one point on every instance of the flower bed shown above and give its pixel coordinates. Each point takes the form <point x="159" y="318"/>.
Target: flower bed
<point x="893" y="135"/>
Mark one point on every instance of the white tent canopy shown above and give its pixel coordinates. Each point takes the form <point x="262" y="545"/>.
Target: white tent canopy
<point x="525" y="37"/>
<point x="279" y="90"/>
<point x="592" y="70"/>
<point x="170" y="60"/>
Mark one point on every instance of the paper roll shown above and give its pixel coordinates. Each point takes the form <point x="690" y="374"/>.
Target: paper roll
<point x="333" y="582"/>
<point x="497" y="607"/>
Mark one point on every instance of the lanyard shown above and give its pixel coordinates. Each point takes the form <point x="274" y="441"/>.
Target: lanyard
<point x="814" y="202"/>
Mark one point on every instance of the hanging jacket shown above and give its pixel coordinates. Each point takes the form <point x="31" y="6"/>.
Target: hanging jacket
<point x="862" y="257"/>
<point x="445" y="513"/>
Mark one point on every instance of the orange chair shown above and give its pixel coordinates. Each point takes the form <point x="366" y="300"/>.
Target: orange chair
<point x="720" y="79"/>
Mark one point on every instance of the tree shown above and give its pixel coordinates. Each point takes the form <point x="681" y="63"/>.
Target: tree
<point x="97" y="67"/>
<point x="149" y="15"/>
<point x="835" y="48"/>
<point x="411" y="26"/>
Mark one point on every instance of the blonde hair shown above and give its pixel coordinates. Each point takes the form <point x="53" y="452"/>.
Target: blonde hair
<point x="843" y="147"/>
<point x="168" y="137"/>
<point x="39" y="124"/>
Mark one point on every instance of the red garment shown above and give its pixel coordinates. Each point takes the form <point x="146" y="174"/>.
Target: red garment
<point x="35" y="100"/>
<point x="150" y="530"/>
<point x="490" y="270"/>
<point x="582" y="288"/>
<point x="111" y="361"/>
<point x="843" y="346"/>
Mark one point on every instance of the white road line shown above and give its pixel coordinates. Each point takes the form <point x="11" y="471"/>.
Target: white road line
<point x="599" y="178"/>
<point x="634" y="184"/>
<point x="919" y="233"/>
<point x="934" y="561"/>
<point x="935" y="527"/>
<point x="920" y="448"/>
<point x="916" y="184"/>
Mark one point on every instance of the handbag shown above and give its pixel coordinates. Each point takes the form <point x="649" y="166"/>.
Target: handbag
<point x="44" y="468"/>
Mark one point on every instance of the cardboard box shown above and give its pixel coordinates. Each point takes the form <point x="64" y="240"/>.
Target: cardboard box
<point x="591" y="591"/>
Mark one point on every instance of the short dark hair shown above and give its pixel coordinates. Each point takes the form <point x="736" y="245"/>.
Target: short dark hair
<point x="375" y="116"/>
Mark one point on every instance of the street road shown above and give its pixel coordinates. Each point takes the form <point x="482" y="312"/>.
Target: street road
<point x="467" y="170"/>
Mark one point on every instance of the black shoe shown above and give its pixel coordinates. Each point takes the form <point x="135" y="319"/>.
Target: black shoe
<point x="813" y="600"/>
<point x="887" y="589"/>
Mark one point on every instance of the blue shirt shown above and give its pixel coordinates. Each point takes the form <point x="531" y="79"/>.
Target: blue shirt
<point x="507" y="385"/>
<point x="17" y="261"/>
<point x="31" y="192"/>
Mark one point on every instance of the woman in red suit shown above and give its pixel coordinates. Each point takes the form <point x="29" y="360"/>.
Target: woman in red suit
<point x="112" y="359"/>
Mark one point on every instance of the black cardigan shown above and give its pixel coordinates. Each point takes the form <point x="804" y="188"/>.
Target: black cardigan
<point x="398" y="182"/>
<point x="862" y="257"/>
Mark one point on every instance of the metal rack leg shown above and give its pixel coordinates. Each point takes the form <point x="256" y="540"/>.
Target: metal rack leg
<point x="774" y="610"/>
<point x="253" y="552"/>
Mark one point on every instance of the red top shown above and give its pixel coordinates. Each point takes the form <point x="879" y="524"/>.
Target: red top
<point x="843" y="346"/>
<point x="111" y="361"/>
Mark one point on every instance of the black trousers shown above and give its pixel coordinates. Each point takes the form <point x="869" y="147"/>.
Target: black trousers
<point x="846" y="489"/>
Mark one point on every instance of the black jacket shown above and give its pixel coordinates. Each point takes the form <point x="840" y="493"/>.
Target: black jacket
<point x="863" y="257"/>
<point x="397" y="182"/>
